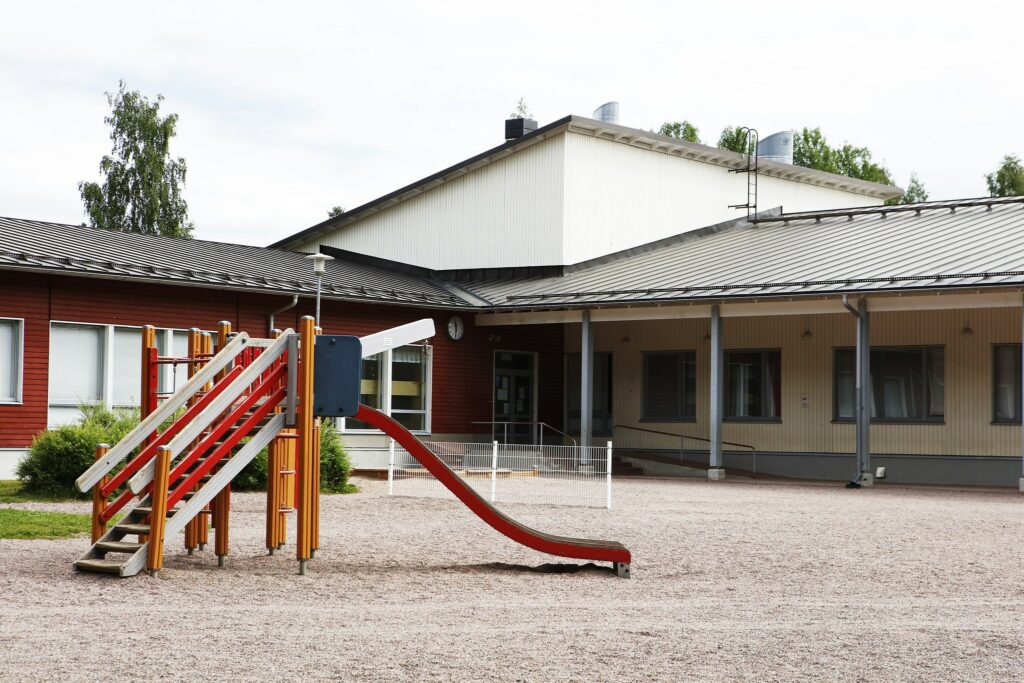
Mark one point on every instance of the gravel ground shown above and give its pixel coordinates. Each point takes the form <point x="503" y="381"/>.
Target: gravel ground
<point x="731" y="581"/>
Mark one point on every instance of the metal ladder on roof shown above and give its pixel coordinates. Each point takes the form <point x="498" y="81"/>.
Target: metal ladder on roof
<point x="205" y="444"/>
<point x="750" y="139"/>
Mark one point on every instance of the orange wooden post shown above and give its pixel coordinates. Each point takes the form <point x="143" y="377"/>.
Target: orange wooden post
<point x="149" y="385"/>
<point x="273" y="495"/>
<point x="315" y="540"/>
<point x="99" y="501"/>
<point x="288" y="485"/>
<point x="222" y="503"/>
<point x="158" y="523"/>
<point x="304" y="536"/>
<point x="192" y="528"/>
<point x="204" y="517"/>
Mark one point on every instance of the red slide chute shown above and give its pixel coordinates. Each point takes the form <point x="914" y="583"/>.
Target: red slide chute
<point x="578" y="548"/>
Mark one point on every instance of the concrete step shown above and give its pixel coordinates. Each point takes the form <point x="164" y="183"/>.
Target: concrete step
<point x="102" y="566"/>
<point x="117" y="546"/>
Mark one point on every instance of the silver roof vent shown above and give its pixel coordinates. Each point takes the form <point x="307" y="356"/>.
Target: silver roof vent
<point x="607" y="112"/>
<point x="777" y="147"/>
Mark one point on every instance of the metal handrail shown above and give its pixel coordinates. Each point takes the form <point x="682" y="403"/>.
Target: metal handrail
<point x="542" y="426"/>
<point x="683" y="437"/>
<point x="149" y="425"/>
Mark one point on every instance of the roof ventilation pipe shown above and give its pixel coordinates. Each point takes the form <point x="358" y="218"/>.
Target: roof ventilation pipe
<point x="777" y="147"/>
<point x="607" y="112"/>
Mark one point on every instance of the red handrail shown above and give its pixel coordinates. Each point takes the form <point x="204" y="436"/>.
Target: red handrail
<point x="218" y="454"/>
<point x="147" y="453"/>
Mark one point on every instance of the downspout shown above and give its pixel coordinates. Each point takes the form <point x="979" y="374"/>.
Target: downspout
<point x="286" y="307"/>
<point x="862" y="409"/>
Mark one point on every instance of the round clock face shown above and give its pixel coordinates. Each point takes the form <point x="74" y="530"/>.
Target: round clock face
<point x="455" y="328"/>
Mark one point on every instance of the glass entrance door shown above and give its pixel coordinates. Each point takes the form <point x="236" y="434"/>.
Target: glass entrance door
<point x="514" y="405"/>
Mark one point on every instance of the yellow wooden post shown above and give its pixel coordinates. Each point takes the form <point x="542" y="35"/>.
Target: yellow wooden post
<point x="222" y="503"/>
<point x="158" y="518"/>
<point x="99" y="501"/>
<point x="273" y="494"/>
<point x="149" y="386"/>
<point x="304" y="536"/>
<point x="194" y="349"/>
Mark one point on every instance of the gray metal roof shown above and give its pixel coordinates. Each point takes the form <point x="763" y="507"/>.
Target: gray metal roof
<point x="606" y="131"/>
<point x="78" y="250"/>
<point x="938" y="245"/>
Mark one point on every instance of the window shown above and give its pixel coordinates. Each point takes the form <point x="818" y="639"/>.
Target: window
<point x="11" y="354"/>
<point x="103" y="364"/>
<point x="907" y="384"/>
<point x="601" y="413"/>
<point x="1006" y="383"/>
<point x="670" y="386"/>
<point x="753" y="381"/>
<point x="397" y="382"/>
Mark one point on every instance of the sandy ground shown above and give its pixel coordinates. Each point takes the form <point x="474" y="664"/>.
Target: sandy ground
<point x="731" y="581"/>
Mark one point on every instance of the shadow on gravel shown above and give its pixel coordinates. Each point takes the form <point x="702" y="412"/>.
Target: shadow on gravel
<point x="548" y="568"/>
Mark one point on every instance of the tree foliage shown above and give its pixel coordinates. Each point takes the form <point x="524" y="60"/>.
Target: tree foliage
<point x="141" y="190"/>
<point x="335" y="211"/>
<point x="735" y="140"/>
<point x="1008" y="179"/>
<point x="522" y="110"/>
<point x="914" y="193"/>
<point x="811" y="150"/>
<point x="680" y="130"/>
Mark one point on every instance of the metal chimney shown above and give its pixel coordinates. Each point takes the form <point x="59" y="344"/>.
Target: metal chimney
<point x="607" y="112"/>
<point x="777" y="147"/>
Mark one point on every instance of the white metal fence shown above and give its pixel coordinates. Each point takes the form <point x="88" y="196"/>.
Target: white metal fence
<point x="510" y="473"/>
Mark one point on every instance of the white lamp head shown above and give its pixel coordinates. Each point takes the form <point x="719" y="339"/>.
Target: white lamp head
<point x="320" y="262"/>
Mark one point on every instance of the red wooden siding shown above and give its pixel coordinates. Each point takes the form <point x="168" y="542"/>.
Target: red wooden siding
<point x="462" y="371"/>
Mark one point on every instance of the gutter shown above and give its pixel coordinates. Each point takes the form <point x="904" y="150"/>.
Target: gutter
<point x="286" y="307"/>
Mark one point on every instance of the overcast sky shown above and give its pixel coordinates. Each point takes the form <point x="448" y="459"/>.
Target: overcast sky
<point x="288" y="109"/>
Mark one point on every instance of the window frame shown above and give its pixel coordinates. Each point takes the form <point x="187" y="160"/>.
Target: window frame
<point x="775" y="419"/>
<point x="924" y="349"/>
<point x="682" y="418"/>
<point x="19" y="362"/>
<point x="1017" y="379"/>
<point x="386" y="395"/>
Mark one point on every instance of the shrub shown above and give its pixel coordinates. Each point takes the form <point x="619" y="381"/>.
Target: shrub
<point x="334" y="466"/>
<point x="59" y="456"/>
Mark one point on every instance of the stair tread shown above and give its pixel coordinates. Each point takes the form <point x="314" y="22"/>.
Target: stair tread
<point x="117" y="546"/>
<point x="106" y="566"/>
<point x="147" y="509"/>
<point x="133" y="528"/>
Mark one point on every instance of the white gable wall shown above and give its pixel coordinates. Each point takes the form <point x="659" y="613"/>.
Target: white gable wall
<point x="618" y="196"/>
<point x="506" y="213"/>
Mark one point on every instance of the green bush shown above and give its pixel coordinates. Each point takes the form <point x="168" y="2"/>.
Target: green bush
<point x="59" y="456"/>
<point x="334" y="466"/>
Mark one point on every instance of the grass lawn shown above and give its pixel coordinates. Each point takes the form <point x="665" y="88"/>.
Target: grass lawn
<point x="11" y="492"/>
<point x="36" y="524"/>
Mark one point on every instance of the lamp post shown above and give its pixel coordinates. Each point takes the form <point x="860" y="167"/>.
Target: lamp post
<point x="319" y="268"/>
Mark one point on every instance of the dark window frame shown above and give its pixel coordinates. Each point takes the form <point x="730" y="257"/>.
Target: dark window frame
<point x="746" y="419"/>
<point x="687" y="355"/>
<point x="1017" y="381"/>
<point x="924" y="349"/>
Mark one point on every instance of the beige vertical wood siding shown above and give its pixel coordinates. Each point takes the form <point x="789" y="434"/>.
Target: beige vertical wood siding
<point x="807" y="370"/>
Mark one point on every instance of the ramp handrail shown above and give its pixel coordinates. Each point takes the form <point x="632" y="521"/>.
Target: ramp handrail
<point x="241" y="385"/>
<point x="683" y="437"/>
<point x="149" y="425"/>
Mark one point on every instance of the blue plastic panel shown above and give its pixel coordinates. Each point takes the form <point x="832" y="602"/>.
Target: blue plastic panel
<point x="337" y="362"/>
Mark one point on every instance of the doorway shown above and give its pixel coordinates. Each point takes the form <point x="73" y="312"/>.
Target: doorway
<point x="515" y="397"/>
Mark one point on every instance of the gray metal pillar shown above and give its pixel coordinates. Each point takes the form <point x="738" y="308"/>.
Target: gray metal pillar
<point x="863" y="411"/>
<point x="586" y="386"/>
<point x="716" y="466"/>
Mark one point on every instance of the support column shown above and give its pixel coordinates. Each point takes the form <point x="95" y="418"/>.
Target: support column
<point x="1020" y="482"/>
<point x="586" y="387"/>
<point x="305" y="455"/>
<point x="864" y="476"/>
<point x="716" y="465"/>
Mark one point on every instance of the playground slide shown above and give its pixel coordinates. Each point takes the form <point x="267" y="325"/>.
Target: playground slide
<point x="577" y="548"/>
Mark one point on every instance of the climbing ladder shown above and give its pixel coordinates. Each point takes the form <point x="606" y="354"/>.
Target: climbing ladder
<point x="236" y="395"/>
